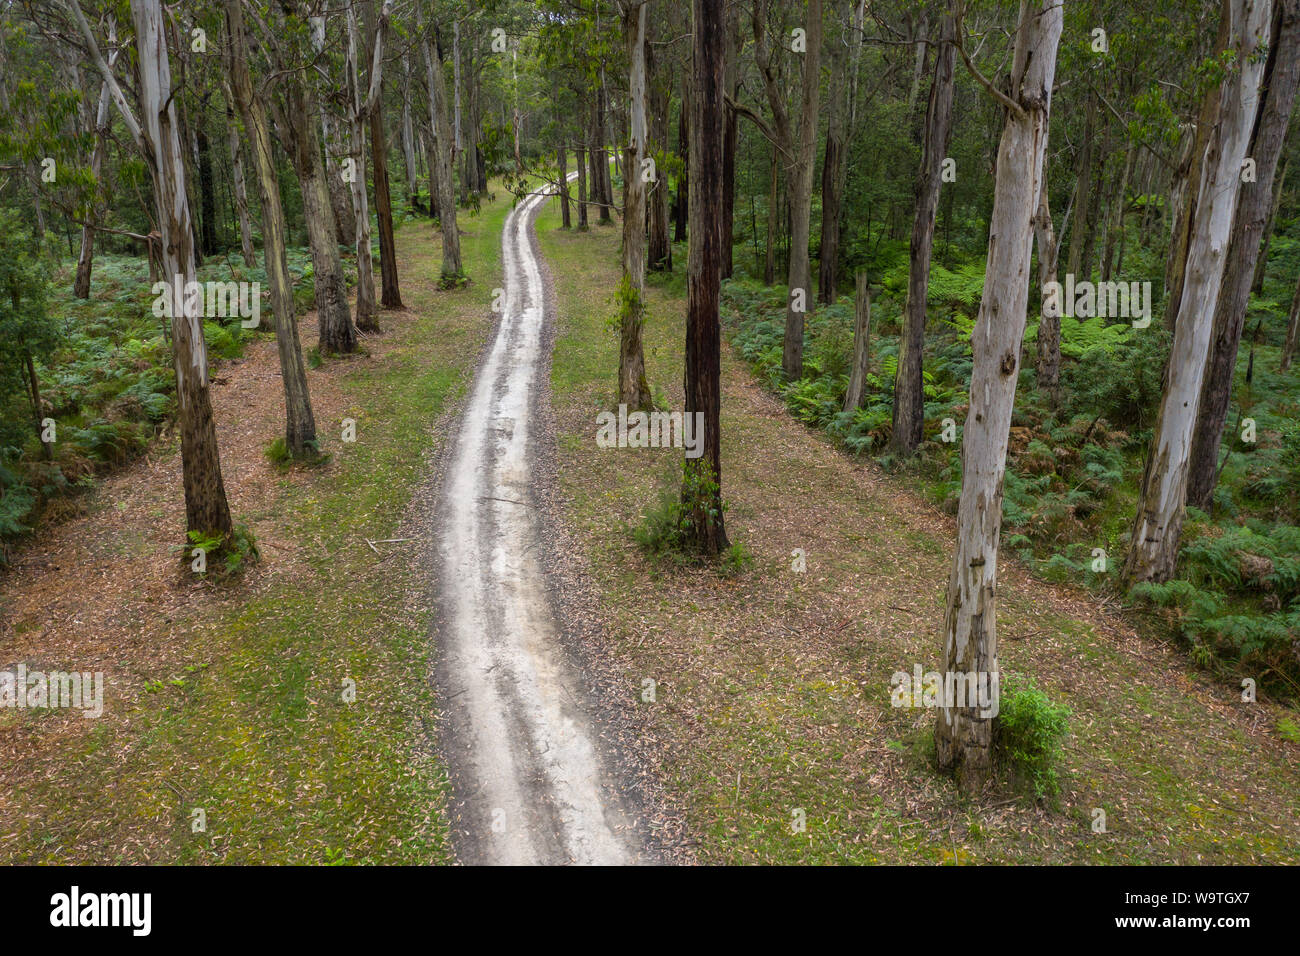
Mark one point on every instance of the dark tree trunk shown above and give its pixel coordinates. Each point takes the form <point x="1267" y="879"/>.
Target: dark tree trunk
<point x="909" y="390"/>
<point x="702" y="484"/>
<point x="207" y="192"/>
<point x="581" y="159"/>
<point x="680" y="207"/>
<point x="732" y="81"/>
<point x="562" y="160"/>
<point x="1082" y="195"/>
<point x="660" y="251"/>
<point x="390" y="295"/>
<point x="769" y="265"/>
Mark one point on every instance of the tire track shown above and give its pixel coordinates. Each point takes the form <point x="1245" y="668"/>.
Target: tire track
<point x="530" y="781"/>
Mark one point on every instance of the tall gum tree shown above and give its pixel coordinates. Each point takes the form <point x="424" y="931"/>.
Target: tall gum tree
<point x="300" y="422"/>
<point x="702" y="484"/>
<point x="443" y="162"/>
<point x="156" y="133"/>
<point x="909" y="389"/>
<point x="798" y="143"/>
<point x="964" y="734"/>
<point x="1153" y="549"/>
<point x="633" y="390"/>
<point x="1281" y="74"/>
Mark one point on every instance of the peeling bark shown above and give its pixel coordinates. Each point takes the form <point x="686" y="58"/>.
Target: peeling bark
<point x="964" y="735"/>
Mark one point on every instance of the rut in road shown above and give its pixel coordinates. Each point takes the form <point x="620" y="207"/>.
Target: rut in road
<point x="531" y="783"/>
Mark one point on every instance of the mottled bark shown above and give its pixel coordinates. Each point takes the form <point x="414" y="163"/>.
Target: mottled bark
<point x="1153" y="552"/>
<point x="1281" y="74"/>
<point x="964" y="734"/>
<point x="300" y="422"/>
<point x="157" y="134"/>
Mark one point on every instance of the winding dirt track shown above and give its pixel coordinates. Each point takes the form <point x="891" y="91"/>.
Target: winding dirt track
<point x="531" y="783"/>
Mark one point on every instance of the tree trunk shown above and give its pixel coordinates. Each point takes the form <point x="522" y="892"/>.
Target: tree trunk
<point x="206" y="509"/>
<point x="1185" y="195"/>
<point x="682" y="205"/>
<point x="207" y="193"/>
<point x="1261" y="264"/>
<point x="81" y="284"/>
<point x="633" y="390"/>
<point x="1047" y="365"/>
<point x="769" y="265"/>
<point x="660" y="251"/>
<point x="909" y="387"/>
<point x="34" y="392"/>
<point x="702" y="482"/>
<point x="1115" y="217"/>
<point x="600" y="157"/>
<point x="580" y="159"/>
<point x="337" y="334"/>
<point x="1281" y="74"/>
<point x="1082" y="200"/>
<point x="408" y="137"/>
<point x="1293" y="327"/>
<point x="829" y="256"/>
<point x="367" y="314"/>
<point x="300" y="422"/>
<point x="799" y="276"/>
<point x="390" y="293"/>
<point x="338" y="143"/>
<point x="963" y="734"/>
<point x="732" y="82"/>
<point x="241" y="186"/>
<point x="562" y="164"/>
<point x="452" y="269"/>
<point x="1153" y="552"/>
<point x="853" y="398"/>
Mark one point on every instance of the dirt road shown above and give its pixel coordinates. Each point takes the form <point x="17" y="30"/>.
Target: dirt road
<point x="531" y="783"/>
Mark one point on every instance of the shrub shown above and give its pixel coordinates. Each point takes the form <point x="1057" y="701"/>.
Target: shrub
<point x="1029" y="734"/>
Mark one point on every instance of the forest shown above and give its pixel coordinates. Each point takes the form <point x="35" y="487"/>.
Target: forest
<point x="614" y="431"/>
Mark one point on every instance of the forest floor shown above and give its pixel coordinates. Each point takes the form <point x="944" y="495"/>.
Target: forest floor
<point x="771" y="687"/>
<point x="229" y="699"/>
<point x="772" y="700"/>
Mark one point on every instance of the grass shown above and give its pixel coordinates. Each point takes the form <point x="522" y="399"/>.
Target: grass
<point x="773" y="685"/>
<point x="249" y="719"/>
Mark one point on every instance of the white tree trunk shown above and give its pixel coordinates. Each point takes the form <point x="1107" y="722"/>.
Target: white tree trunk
<point x="1153" y="552"/>
<point x="365" y="317"/>
<point x="157" y="135"/>
<point x="633" y="390"/>
<point x="963" y="735"/>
